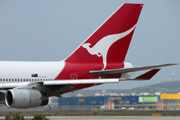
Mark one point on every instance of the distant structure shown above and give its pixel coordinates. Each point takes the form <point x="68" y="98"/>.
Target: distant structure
<point x="143" y="101"/>
<point x="173" y="74"/>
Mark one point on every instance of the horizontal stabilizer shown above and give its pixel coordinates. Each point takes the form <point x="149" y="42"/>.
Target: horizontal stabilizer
<point x="126" y="70"/>
<point x="148" y="75"/>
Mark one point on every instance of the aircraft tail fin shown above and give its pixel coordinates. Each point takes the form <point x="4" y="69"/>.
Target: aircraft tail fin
<point x="110" y="42"/>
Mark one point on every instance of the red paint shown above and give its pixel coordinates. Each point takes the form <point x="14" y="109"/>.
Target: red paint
<point x="40" y="98"/>
<point x="122" y="20"/>
<point x="81" y="61"/>
<point x="148" y="75"/>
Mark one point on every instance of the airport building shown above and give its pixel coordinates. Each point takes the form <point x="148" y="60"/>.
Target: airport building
<point x="130" y="102"/>
<point x="170" y="101"/>
<point x="109" y="102"/>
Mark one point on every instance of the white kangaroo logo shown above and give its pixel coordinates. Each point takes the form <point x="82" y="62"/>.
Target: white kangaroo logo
<point x="102" y="46"/>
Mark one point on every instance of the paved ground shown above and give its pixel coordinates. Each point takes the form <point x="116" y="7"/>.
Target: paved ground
<point x="111" y="117"/>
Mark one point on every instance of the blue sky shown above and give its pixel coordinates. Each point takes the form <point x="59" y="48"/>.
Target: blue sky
<point x="49" y="30"/>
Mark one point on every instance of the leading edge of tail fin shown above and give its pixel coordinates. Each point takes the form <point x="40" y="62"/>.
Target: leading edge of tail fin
<point x="110" y="42"/>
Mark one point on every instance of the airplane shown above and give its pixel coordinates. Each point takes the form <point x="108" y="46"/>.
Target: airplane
<point x="98" y="60"/>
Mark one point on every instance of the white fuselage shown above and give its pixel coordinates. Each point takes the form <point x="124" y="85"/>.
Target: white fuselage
<point x="24" y="71"/>
<point x="18" y="74"/>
